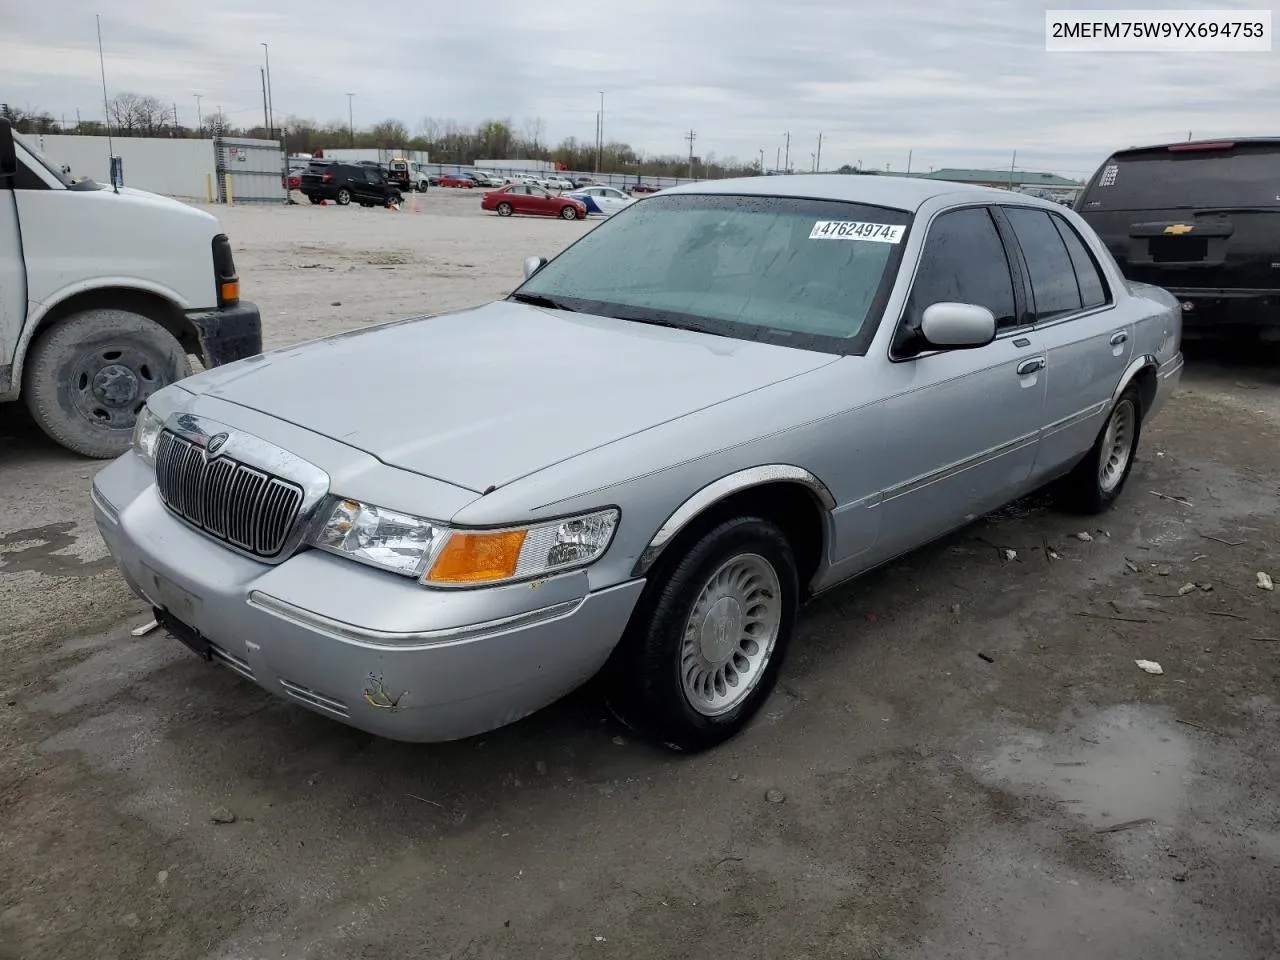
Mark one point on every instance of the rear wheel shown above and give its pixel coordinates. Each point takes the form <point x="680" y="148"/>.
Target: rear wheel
<point x="707" y="640"/>
<point x="504" y="209"/>
<point x="1096" y="482"/>
<point x="568" y="213"/>
<point x="315" y="200"/>
<point x="344" y="197"/>
<point x="87" y="379"/>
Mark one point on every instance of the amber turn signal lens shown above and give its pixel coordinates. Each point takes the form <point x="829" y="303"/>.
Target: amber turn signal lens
<point x="231" y="291"/>
<point x="478" y="557"/>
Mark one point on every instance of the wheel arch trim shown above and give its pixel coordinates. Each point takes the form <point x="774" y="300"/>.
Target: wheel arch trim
<point x="723" y="488"/>
<point x="1132" y="372"/>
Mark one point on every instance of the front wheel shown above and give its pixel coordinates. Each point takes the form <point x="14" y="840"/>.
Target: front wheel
<point x="568" y="213"/>
<point x="87" y="379"/>
<point x="504" y="209"/>
<point x="344" y="197"/>
<point x="1093" y="486"/>
<point x="708" y="638"/>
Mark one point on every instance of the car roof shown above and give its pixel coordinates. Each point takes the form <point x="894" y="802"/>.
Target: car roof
<point x="903" y="193"/>
<point x="1192" y="144"/>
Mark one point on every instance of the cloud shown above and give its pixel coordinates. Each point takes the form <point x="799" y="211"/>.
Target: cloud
<point x="962" y="85"/>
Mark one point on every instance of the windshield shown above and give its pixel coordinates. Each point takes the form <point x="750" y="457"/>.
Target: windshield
<point x="801" y="272"/>
<point x="1247" y="176"/>
<point x="45" y="162"/>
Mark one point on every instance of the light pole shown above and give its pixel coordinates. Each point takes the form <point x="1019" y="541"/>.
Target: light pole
<point x="351" y="125"/>
<point x="199" y="115"/>
<point x="271" y="106"/>
<point x="600" y="146"/>
<point x="762" y="160"/>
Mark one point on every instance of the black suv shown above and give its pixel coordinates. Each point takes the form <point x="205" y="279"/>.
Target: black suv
<point x="366" y="184"/>
<point x="1202" y="220"/>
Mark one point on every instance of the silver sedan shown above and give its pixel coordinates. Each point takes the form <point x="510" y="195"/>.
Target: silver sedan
<point x="727" y="399"/>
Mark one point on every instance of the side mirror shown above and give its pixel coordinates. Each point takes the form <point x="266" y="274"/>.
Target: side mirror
<point x="958" y="325"/>
<point x="532" y="265"/>
<point x="8" y="152"/>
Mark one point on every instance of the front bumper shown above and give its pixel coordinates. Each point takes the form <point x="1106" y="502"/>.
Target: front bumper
<point x="228" y="333"/>
<point x="371" y="649"/>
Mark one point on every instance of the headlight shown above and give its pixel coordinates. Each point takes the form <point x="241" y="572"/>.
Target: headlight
<point x="146" y="432"/>
<point x="440" y="556"/>
<point x="377" y="536"/>
<point x="471" y="557"/>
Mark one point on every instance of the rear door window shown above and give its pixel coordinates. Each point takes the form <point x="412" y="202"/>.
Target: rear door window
<point x="1246" y="175"/>
<point x="1054" y="288"/>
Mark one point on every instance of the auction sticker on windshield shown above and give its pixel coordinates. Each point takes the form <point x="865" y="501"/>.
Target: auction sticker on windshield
<point x="853" y="230"/>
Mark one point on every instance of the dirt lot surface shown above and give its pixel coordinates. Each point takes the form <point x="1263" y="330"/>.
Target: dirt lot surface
<point x="969" y="762"/>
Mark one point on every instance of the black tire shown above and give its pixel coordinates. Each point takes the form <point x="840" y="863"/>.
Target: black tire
<point x="315" y="200"/>
<point x="1084" y="490"/>
<point x="568" y="212"/>
<point x="505" y="209"/>
<point x="87" y="378"/>
<point x="645" y="677"/>
<point x="343" y="197"/>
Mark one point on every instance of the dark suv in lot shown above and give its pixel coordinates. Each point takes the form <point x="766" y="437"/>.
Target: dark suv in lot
<point x="366" y="184"/>
<point x="1202" y="220"/>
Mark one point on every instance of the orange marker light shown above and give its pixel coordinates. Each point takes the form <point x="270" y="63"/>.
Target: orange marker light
<point x="231" y="291"/>
<point x="478" y="557"/>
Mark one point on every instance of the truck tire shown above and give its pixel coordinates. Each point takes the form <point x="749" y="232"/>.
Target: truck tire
<point x="87" y="378"/>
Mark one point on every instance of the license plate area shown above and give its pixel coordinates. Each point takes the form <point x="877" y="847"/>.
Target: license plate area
<point x="175" y="609"/>
<point x="188" y="636"/>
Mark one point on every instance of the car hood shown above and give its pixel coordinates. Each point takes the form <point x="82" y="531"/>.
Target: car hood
<point x="483" y="397"/>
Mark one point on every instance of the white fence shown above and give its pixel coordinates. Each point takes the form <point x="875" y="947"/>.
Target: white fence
<point x="173" y="167"/>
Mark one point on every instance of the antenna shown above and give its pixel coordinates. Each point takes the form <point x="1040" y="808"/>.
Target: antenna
<point x="106" y="109"/>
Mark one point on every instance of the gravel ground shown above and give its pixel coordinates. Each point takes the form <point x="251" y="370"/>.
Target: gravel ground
<point x="963" y="760"/>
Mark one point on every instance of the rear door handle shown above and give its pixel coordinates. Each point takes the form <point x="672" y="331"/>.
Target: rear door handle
<point x="1030" y="366"/>
<point x="1119" y="338"/>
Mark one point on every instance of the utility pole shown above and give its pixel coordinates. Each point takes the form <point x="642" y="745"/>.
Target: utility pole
<point x="266" y="120"/>
<point x="777" y="160"/>
<point x="597" y="141"/>
<point x="175" y="118"/>
<point x="1012" y="163"/>
<point x="601" y="143"/>
<point x="199" y="115"/>
<point x="908" y="161"/>
<point x="817" y="164"/>
<point x="786" y="166"/>
<point x="762" y="160"/>
<point x="77" y="119"/>
<point x="691" y="136"/>
<point x="271" y="106"/>
<point x="351" y="126"/>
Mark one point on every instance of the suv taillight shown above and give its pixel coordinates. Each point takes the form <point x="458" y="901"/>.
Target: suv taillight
<point x="224" y="271"/>
<point x="327" y="178"/>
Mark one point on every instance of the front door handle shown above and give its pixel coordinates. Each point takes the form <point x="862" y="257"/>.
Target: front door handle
<point x="1119" y="338"/>
<point x="1030" y="366"/>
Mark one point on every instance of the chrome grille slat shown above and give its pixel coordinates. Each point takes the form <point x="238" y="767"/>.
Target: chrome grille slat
<point x="229" y="500"/>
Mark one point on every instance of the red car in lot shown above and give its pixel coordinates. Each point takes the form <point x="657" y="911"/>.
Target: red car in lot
<point x="527" y="198"/>
<point x="457" y="180"/>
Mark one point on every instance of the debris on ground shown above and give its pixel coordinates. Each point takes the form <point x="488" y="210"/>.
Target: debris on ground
<point x="987" y="657"/>
<point x="1265" y="582"/>
<point x="1010" y="554"/>
<point x="1206" y="587"/>
<point x="222" y="815"/>
<point x="540" y="767"/>
<point x="1150" y="666"/>
<point x="1165" y="496"/>
<point x="619" y="741"/>
<point x="1084" y="536"/>
<point x="1127" y="825"/>
<point x="1164" y="570"/>
<point x="1133" y="567"/>
<point x="775" y="796"/>
<point x="143" y="630"/>
<point x="1186" y="588"/>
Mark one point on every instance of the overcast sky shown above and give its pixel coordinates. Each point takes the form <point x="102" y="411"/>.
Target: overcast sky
<point x="959" y="85"/>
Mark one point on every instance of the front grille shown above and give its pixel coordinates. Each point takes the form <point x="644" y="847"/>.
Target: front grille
<point x="228" y="500"/>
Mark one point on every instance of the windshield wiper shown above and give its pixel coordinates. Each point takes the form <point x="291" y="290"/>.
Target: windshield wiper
<point x="539" y="300"/>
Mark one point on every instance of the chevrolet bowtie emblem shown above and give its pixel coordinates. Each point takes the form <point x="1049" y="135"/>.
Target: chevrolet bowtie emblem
<point x="1178" y="228"/>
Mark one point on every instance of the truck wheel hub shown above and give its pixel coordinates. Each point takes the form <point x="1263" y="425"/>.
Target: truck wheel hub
<point x="116" y="384"/>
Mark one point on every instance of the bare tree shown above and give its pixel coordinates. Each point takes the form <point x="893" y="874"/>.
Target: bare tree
<point x="531" y="133"/>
